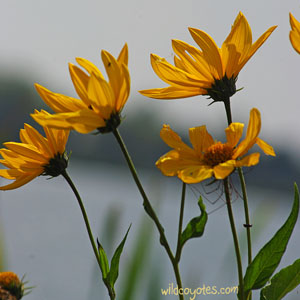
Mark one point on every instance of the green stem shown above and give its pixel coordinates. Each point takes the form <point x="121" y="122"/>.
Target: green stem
<point x="228" y="110"/>
<point x="247" y="218"/>
<point x="179" y="248"/>
<point x="235" y="238"/>
<point x="87" y="224"/>
<point x="148" y="208"/>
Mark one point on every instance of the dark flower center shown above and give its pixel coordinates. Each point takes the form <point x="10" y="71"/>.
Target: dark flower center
<point x="217" y="154"/>
<point x="222" y="89"/>
<point x="56" y="165"/>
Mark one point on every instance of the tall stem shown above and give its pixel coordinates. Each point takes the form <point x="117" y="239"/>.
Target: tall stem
<point x="87" y="224"/>
<point x="243" y="185"/>
<point x="235" y="238"/>
<point x="149" y="210"/>
<point x="178" y="250"/>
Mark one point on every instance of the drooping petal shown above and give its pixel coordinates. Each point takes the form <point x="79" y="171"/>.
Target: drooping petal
<point x="253" y="130"/>
<point x="83" y="121"/>
<point x="234" y="133"/>
<point x="268" y="149"/>
<point x="223" y="170"/>
<point x="249" y="160"/>
<point x="195" y="174"/>
<point x="20" y="181"/>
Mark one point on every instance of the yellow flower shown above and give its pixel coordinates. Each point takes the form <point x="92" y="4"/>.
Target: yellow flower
<point x="295" y="33"/>
<point x="101" y="101"/>
<point x="209" y="158"/>
<point x="34" y="156"/>
<point x="212" y="71"/>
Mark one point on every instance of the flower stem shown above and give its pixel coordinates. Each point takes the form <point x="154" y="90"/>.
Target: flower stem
<point x="179" y="248"/>
<point x="228" y="110"/>
<point x="247" y="218"/>
<point x="235" y="238"/>
<point x="149" y="210"/>
<point x="87" y="224"/>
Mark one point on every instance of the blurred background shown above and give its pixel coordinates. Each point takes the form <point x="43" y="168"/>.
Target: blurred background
<point x="42" y="232"/>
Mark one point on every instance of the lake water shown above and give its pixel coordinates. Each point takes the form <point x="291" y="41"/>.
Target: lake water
<point x="45" y="237"/>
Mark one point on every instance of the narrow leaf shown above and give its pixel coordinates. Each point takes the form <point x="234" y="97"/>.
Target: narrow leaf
<point x="103" y="262"/>
<point x="268" y="258"/>
<point x="114" y="265"/>
<point x="195" y="228"/>
<point x="282" y="283"/>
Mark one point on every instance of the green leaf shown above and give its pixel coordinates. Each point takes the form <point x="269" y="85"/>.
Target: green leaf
<point x="195" y="228"/>
<point x="268" y="258"/>
<point x="114" y="265"/>
<point x="282" y="283"/>
<point x="103" y="262"/>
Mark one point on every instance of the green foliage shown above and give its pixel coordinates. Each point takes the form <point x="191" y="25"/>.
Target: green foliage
<point x="195" y="228"/>
<point x="110" y="274"/>
<point x="282" y="283"/>
<point x="268" y="258"/>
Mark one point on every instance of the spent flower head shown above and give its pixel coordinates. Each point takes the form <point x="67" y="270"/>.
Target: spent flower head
<point x="101" y="101"/>
<point x="11" y="287"/>
<point x="295" y="33"/>
<point x="210" y="71"/>
<point x="35" y="155"/>
<point x="207" y="157"/>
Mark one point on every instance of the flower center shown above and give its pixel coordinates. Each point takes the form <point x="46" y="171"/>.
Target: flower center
<point x="222" y="89"/>
<point x="217" y="153"/>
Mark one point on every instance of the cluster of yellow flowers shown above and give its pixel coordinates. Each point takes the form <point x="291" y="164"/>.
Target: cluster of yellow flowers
<point x="210" y="70"/>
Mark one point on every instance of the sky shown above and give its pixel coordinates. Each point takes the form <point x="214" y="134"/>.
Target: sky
<point x="39" y="38"/>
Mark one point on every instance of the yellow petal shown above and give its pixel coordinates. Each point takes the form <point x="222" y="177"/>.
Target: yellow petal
<point x="223" y="170"/>
<point x="233" y="133"/>
<point x="171" y="163"/>
<point x="124" y="91"/>
<point x="236" y="45"/>
<point x="89" y="67"/>
<point x="295" y="33"/>
<point x="255" y="47"/>
<point x="173" y="92"/>
<point x="59" y="103"/>
<point x="26" y="150"/>
<point x="265" y="147"/>
<point x="192" y="60"/>
<point x="200" y="139"/>
<point x="101" y="96"/>
<point x="123" y="56"/>
<point x="20" y="181"/>
<point x="173" y="140"/>
<point x="83" y="121"/>
<point x="210" y="50"/>
<point x="9" y="173"/>
<point x="80" y="82"/>
<point x="249" y="160"/>
<point x="252" y="133"/>
<point x="195" y="174"/>
<point x="173" y="75"/>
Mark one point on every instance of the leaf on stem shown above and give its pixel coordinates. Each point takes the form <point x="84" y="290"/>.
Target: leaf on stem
<point x="114" y="265"/>
<point x="103" y="261"/>
<point x="282" y="283"/>
<point x="195" y="228"/>
<point x="268" y="258"/>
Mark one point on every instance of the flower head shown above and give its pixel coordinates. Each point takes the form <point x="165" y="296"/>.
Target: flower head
<point x="209" y="158"/>
<point x="35" y="155"/>
<point x="101" y="101"/>
<point x="212" y="71"/>
<point x="295" y="33"/>
<point x="11" y="286"/>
